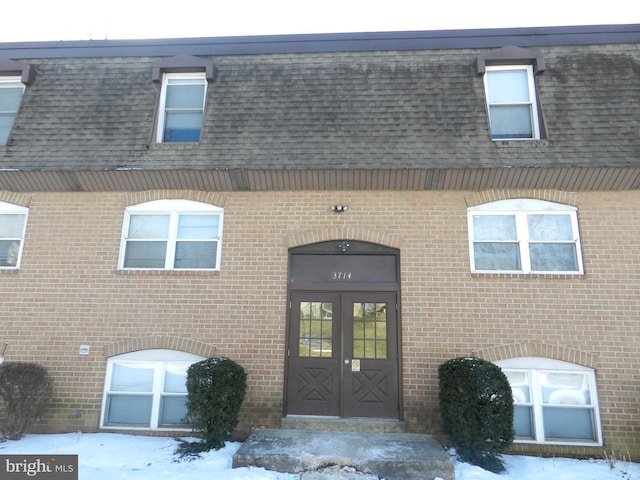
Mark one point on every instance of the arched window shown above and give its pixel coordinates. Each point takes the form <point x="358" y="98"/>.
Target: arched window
<point x="147" y="389"/>
<point x="171" y="235"/>
<point x="524" y="236"/>
<point x="555" y="402"/>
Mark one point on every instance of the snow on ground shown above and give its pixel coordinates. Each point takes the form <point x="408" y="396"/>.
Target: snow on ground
<point x="113" y="456"/>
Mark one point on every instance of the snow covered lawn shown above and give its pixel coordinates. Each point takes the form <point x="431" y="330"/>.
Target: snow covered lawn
<point x="112" y="456"/>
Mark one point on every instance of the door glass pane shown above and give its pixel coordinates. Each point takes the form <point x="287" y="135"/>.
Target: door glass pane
<point x="316" y="329"/>
<point x="370" y="330"/>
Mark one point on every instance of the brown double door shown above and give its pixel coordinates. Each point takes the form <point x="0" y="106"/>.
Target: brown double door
<point x="342" y="354"/>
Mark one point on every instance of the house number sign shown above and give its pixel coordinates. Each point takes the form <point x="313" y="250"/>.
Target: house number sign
<point x="341" y="276"/>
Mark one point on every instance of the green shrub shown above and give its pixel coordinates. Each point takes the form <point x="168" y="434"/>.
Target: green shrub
<point x="215" y="391"/>
<point x="476" y="405"/>
<point x="26" y="390"/>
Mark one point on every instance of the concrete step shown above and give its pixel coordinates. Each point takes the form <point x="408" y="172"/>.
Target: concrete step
<point x="389" y="456"/>
<point x="330" y="424"/>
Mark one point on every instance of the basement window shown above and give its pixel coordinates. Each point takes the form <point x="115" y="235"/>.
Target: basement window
<point x="147" y="389"/>
<point x="555" y="402"/>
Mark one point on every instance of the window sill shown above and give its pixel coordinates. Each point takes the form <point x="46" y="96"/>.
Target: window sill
<point x="177" y="273"/>
<point x="561" y="276"/>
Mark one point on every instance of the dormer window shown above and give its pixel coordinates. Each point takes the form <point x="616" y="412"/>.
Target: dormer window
<point x="510" y="91"/>
<point x="11" y="90"/>
<point x="511" y="102"/>
<point x="181" y="109"/>
<point x="13" y="78"/>
<point x="182" y="98"/>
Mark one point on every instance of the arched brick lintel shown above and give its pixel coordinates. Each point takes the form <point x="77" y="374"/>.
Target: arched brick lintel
<point x="160" y="342"/>
<point x="315" y="236"/>
<point x="487" y="196"/>
<point x="213" y="198"/>
<point x="532" y="349"/>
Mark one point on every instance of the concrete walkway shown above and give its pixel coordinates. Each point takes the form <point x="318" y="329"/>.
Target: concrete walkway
<point x="318" y="455"/>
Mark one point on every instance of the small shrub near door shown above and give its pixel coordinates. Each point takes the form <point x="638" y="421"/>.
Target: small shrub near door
<point x="26" y="390"/>
<point x="215" y="392"/>
<point x="476" y="406"/>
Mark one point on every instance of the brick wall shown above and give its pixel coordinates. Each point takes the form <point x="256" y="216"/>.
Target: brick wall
<point x="68" y="292"/>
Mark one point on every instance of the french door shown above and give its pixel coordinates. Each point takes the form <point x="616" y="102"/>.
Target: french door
<point x="342" y="355"/>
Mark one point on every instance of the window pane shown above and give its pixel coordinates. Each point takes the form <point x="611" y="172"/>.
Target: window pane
<point x="175" y="377"/>
<point x="148" y="226"/>
<point x="549" y="227"/>
<point x="496" y="256"/>
<point x="173" y="410"/>
<point x="132" y="377"/>
<point x="6" y="122"/>
<point x="568" y="423"/>
<point x="10" y="95"/>
<point x="519" y="382"/>
<point x="185" y="94"/>
<point x="565" y="388"/>
<point x="134" y="410"/>
<point x="182" y="127"/>
<point x="9" y="251"/>
<point x="145" y="255"/>
<point x="198" y="226"/>
<point x="510" y="121"/>
<point x="550" y="257"/>
<point x="508" y="86"/>
<point x="196" y="255"/>
<point x="11" y="226"/>
<point x="494" y="227"/>
<point x="523" y="421"/>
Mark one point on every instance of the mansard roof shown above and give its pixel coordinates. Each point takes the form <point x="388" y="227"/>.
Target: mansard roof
<point x="382" y="110"/>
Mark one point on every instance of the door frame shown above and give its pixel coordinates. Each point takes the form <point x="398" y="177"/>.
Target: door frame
<point x="311" y="269"/>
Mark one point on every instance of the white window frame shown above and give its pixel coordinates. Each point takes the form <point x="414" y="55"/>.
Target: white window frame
<point x="534" y="367"/>
<point x="172" y="208"/>
<point x="11" y="209"/>
<point x="521" y="209"/>
<point x="159" y="359"/>
<point x="11" y="82"/>
<point x="531" y="102"/>
<point x="162" y="109"/>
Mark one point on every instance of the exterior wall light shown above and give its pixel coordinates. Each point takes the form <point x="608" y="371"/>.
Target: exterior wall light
<point x="339" y="208"/>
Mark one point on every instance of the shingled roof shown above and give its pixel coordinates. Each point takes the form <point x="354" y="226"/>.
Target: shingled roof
<point x="386" y="110"/>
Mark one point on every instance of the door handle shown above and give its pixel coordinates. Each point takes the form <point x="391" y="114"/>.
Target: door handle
<point x="346" y="362"/>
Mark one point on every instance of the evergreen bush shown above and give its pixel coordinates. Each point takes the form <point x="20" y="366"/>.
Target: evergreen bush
<point x="476" y="405"/>
<point x="215" y="392"/>
<point x="26" y="391"/>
